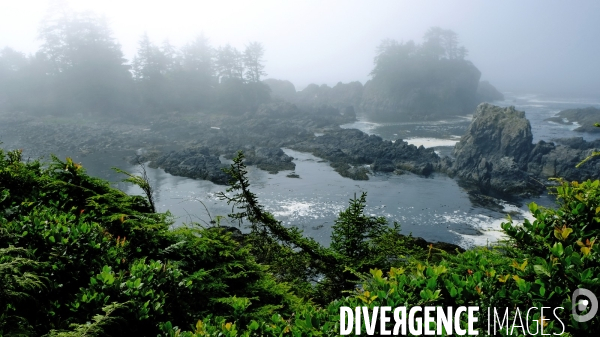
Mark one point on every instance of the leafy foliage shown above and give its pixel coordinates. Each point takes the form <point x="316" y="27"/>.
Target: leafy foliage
<point x="79" y="258"/>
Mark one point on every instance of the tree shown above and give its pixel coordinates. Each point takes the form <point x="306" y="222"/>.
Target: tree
<point x="86" y="64"/>
<point x="227" y="60"/>
<point x="253" y="61"/>
<point x="12" y="65"/>
<point x="353" y="231"/>
<point x="442" y="43"/>
<point x="197" y="57"/>
<point x="148" y="64"/>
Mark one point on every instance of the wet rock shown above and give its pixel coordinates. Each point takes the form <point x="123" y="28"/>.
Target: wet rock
<point x="355" y="148"/>
<point x="585" y="117"/>
<point x="383" y="165"/>
<point x="497" y="154"/>
<point x="270" y="159"/>
<point x="195" y="163"/>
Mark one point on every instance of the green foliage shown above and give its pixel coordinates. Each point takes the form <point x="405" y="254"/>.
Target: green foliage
<point x="79" y="258"/>
<point x="354" y="232"/>
<point x="84" y="248"/>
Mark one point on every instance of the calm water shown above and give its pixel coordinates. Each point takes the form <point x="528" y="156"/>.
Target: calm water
<point x="434" y="208"/>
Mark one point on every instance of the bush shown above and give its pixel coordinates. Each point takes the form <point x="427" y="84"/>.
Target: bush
<point x="80" y="258"/>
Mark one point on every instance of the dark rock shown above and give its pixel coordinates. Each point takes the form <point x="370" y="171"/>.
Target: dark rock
<point x="578" y="143"/>
<point x="495" y="150"/>
<point x="585" y="117"/>
<point x="194" y="163"/>
<point x="447" y="247"/>
<point x="497" y="154"/>
<point x="341" y="96"/>
<point x="348" y="148"/>
<point x="270" y="159"/>
<point x="383" y="165"/>
<point x="349" y="171"/>
<point x="488" y="93"/>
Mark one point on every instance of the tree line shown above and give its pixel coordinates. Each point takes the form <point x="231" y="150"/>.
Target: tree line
<point x="80" y="68"/>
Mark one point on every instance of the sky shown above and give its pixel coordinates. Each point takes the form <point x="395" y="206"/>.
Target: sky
<point x="521" y="46"/>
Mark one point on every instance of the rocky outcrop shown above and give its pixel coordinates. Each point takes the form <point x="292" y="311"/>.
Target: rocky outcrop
<point x="494" y="151"/>
<point x="281" y="90"/>
<point x="488" y="93"/>
<point x="195" y="163"/>
<point x="556" y="160"/>
<point x="585" y="117"/>
<point x="349" y="150"/>
<point x="497" y="154"/>
<point x="270" y="159"/>
<point x="431" y="91"/>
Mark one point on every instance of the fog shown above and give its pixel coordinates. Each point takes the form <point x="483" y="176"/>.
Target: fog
<point x="536" y="46"/>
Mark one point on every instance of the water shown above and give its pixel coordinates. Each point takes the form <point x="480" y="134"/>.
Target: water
<point x="437" y="208"/>
<point x="434" y="208"/>
<point x="442" y="135"/>
<point x="539" y="107"/>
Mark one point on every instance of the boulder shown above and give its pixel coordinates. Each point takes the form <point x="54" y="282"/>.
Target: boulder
<point x="497" y="154"/>
<point x="270" y="159"/>
<point x="195" y="163"/>
<point x="495" y="150"/>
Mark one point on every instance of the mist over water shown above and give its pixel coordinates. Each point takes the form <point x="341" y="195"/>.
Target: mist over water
<point x="435" y="208"/>
<point x="304" y="46"/>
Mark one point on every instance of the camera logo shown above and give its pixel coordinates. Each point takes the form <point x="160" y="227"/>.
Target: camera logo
<point x="582" y="305"/>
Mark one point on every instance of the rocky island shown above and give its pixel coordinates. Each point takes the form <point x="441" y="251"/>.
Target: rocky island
<point x="586" y="118"/>
<point x="497" y="154"/>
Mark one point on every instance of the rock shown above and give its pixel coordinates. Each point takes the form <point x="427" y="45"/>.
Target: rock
<point x="495" y="150"/>
<point x="585" y="117"/>
<point x="194" y="163"/>
<point x="497" y="155"/>
<point x="347" y="149"/>
<point x="436" y="90"/>
<point x="561" y="161"/>
<point x="447" y="247"/>
<point x="488" y="93"/>
<point x="341" y="96"/>
<point x="349" y="171"/>
<point x="383" y="165"/>
<point x="270" y="159"/>
<point x="281" y="90"/>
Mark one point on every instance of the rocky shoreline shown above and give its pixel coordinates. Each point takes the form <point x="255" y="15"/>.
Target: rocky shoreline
<point x="496" y="155"/>
<point x="586" y="118"/>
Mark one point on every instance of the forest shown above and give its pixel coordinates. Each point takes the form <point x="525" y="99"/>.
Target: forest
<point x="80" y="69"/>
